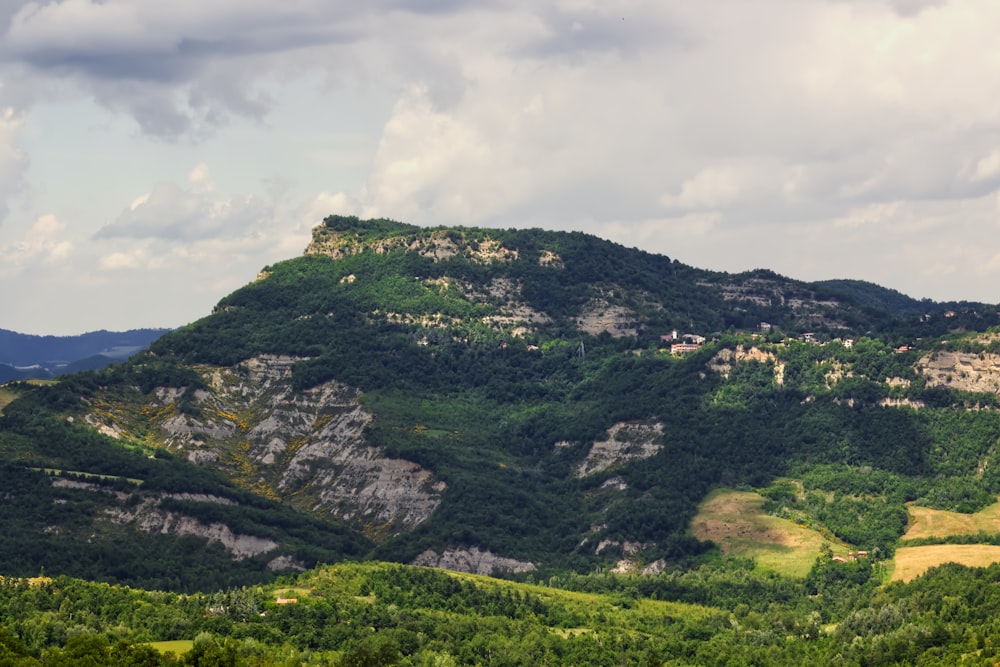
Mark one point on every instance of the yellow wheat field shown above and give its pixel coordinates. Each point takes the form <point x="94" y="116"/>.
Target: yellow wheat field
<point x="911" y="562"/>
<point x="925" y="522"/>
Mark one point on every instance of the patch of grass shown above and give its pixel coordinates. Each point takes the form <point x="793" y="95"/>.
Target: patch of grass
<point x="930" y="523"/>
<point x="177" y="646"/>
<point x="7" y="396"/>
<point x="587" y="604"/>
<point x="737" y="523"/>
<point x="911" y="562"/>
<point x="292" y="592"/>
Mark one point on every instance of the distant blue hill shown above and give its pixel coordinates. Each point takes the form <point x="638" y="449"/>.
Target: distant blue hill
<point x="26" y="356"/>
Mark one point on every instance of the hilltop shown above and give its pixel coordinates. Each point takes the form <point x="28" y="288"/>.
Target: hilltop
<point x="515" y="402"/>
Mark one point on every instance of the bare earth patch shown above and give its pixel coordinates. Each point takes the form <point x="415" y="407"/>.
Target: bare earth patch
<point x="911" y="562"/>
<point x="736" y="522"/>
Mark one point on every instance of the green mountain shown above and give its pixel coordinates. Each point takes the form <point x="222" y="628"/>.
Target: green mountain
<point x="501" y="402"/>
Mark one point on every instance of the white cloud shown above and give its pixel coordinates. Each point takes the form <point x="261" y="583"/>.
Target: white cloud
<point x="172" y="212"/>
<point x="43" y="243"/>
<point x="670" y="235"/>
<point x="325" y="204"/>
<point x="987" y="167"/>
<point x="13" y="161"/>
<point x="820" y="138"/>
<point x="710" y="188"/>
<point x="873" y="214"/>
<point x="121" y="260"/>
<point x="199" y="179"/>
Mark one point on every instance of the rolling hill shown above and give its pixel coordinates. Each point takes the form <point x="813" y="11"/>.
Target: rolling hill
<point x="515" y="402"/>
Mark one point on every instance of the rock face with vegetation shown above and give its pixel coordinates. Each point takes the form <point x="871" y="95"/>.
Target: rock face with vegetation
<point x="625" y="442"/>
<point x="496" y="401"/>
<point x="973" y="366"/>
<point x="473" y="560"/>
<point x="306" y="447"/>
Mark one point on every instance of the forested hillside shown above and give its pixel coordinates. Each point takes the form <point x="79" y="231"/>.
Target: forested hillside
<point x="379" y="614"/>
<point x="502" y="400"/>
<point x="528" y="404"/>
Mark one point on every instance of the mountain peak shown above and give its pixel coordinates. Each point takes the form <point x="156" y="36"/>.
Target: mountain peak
<point x="341" y="236"/>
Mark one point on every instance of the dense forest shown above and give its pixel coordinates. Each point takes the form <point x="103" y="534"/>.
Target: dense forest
<point x="380" y="614"/>
<point x="498" y="366"/>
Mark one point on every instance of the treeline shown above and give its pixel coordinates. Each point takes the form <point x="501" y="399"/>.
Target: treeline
<point x="375" y="614"/>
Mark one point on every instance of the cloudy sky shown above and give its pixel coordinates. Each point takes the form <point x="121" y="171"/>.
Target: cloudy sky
<point x="155" y="155"/>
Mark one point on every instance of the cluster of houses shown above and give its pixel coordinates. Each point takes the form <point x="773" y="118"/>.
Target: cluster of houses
<point x="682" y="344"/>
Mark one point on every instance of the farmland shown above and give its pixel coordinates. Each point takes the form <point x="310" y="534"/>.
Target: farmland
<point x="737" y="523"/>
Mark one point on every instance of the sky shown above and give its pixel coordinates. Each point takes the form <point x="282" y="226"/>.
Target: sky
<point x="155" y="156"/>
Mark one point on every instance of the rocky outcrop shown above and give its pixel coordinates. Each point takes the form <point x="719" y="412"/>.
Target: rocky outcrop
<point x="805" y="305"/>
<point x="437" y="245"/>
<point x="473" y="561"/>
<point x="508" y="312"/>
<point x="724" y="361"/>
<point x="599" y="317"/>
<point x="307" y="448"/>
<point x="627" y="441"/>
<point x="150" y="519"/>
<point x="286" y="562"/>
<point x="965" y="371"/>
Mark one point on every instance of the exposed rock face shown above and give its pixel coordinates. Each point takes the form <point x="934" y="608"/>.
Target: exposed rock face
<point x="150" y="519"/>
<point x="473" y="561"/>
<point x="901" y="402"/>
<point x="966" y="371"/>
<point x="626" y="441"/>
<point x="307" y="447"/>
<point x="551" y="260"/>
<point x="599" y="316"/>
<point x="437" y="245"/>
<point x="616" y="483"/>
<point x="510" y="313"/>
<point x="724" y="361"/>
<point x="804" y="304"/>
<point x="656" y="567"/>
<point x="286" y="562"/>
<point x="513" y="314"/>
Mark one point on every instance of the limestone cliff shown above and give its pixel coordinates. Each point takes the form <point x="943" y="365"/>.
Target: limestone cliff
<point x="307" y="448"/>
<point x="966" y="371"/>
<point x="474" y="561"/>
<point x="626" y="441"/>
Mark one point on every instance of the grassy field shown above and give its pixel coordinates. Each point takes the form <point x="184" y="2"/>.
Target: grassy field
<point x="911" y="562"/>
<point x="6" y="396"/>
<point x="639" y="613"/>
<point x="925" y="522"/>
<point x="735" y="521"/>
<point x="297" y="592"/>
<point x="177" y="647"/>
